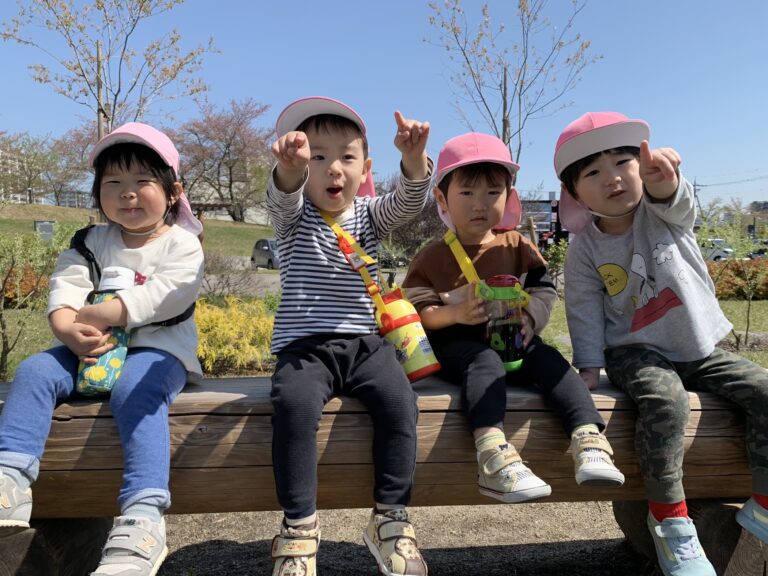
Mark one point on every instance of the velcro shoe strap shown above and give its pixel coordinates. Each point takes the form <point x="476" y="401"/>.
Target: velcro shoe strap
<point x="396" y="529"/>
<point x="500" y="460"/>
<point x="675" y="530"/>
<point x="293" y="547"/>
<point x="135" y="540"/>
<point x="597" y="441"/>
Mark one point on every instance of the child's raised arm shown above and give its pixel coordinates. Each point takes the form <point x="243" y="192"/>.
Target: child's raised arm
<point x="292" y="153"/>
<point x="411" y="140"/>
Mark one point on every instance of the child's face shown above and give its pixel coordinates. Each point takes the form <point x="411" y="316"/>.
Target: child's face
<point x="337" y="168"/>
<point x="610" y="185"/>
<point x="475" y="208"/>
<point x="133" y="198"/>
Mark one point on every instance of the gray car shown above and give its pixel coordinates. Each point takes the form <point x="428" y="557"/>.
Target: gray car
<point x="265" y="254"/>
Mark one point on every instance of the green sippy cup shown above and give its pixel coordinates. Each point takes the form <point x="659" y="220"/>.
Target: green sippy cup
<point x="505" y="300"/>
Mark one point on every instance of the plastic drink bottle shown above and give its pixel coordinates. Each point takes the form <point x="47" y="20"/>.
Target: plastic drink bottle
<point x="401" y="325"/>
<point x="96" y="379"/>
<point x="505" y="299"/>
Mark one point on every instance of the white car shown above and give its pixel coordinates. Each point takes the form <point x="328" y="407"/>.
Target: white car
<point x="716" y="249"/>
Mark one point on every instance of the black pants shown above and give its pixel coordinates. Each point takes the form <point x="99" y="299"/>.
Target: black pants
<point x="468" y="361"/>
<point x="312" y="370"/>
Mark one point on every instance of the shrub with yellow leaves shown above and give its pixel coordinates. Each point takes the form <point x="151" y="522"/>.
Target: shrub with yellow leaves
<point x="235" y="337"/>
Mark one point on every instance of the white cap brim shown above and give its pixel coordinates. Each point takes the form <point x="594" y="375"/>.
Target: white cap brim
<point x="629" y="133"/>
<point x="295" y="113"/>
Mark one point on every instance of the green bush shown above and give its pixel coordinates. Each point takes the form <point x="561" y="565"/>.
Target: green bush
<point x="234" y="337"/>
<point x="26" y="262"/>
<point x="271" y="300"/>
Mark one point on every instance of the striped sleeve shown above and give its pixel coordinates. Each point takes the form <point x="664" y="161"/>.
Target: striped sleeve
<point x="284" y="208"/>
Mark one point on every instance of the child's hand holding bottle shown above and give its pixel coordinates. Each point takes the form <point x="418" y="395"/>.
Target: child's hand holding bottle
<point x="99" y="377"/>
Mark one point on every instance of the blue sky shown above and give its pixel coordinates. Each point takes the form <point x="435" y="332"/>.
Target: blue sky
<point x="695" y="70"/>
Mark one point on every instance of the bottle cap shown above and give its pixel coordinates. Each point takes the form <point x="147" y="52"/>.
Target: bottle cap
<point x="116" y="278"/>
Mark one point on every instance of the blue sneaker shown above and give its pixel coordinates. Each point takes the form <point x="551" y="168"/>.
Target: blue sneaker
<point x="678" y="548"/>
<point x="754" y="519"/>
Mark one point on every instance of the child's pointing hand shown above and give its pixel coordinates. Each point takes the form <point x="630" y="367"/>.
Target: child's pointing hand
<point x="658" y="170"/>
<point x="411" y="140"/>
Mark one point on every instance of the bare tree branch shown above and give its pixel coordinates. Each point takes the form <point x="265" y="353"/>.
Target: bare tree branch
<point x="510" y="82"/>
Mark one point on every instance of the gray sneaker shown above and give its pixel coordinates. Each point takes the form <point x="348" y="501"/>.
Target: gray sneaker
<point x="135" y="547"/>
<point x="15" y="506"/>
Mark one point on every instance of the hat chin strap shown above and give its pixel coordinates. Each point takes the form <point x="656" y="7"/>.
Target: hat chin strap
<point x="157" y="227"/>
<point x="599" y="215"/>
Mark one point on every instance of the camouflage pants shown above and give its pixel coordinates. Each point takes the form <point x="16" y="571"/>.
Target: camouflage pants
<point x="658" y="387"/>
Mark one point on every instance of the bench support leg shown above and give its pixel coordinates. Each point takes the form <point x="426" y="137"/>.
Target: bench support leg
<point x="66" y="547"/>
<point x="731" y="550"/>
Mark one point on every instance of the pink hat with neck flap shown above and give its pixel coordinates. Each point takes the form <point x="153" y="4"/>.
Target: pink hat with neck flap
<point x="296" y="112"/>
<point x="146" y="135"/>
<point x="475" y="148"/>
<point x="589" y="134"/>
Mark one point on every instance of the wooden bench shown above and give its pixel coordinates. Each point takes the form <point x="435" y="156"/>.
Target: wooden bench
<point x="221" y="435"/>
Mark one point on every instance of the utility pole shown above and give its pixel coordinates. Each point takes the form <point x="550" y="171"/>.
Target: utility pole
<point x="696" y="195"/>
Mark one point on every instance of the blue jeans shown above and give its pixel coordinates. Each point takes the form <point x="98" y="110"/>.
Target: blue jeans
<point x="139" y="402"/>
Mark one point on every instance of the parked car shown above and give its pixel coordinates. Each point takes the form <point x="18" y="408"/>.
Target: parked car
<point x="760" y="250"/>
<point x="716" y="249"/>
<point x="265" y="254"/>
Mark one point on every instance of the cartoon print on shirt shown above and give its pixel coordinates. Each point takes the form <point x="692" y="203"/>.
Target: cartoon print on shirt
<point x="651" y="305"/>
<point x="647" y="290"/>
<point x="614" y="278"/>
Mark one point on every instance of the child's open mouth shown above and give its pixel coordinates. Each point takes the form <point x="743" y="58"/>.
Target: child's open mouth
<point x="334" y="191"/>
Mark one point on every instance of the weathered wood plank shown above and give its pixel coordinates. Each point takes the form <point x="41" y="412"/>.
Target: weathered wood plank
<point x="221" y="435"/>
<point x="60" y="494"/>
<point x="251" y="396"/>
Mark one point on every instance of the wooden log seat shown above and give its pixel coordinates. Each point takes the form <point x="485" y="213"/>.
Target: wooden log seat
<point x="221" y="436"/>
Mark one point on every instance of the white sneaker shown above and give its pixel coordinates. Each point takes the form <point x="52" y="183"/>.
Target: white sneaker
<point x="592" y="458"/>
<point x="503" y="475"/>
<point x="135" y="547"/>
<point x="15" y="506"/>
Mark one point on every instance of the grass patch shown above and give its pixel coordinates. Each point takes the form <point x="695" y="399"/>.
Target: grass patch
<point x="35" y="338"/>
<point x="736" y="312"/>
<point x="20" y="218"/>
<point x="32" y="212"/>
<point x="556" y="332"/>
<point x="234" y="238"/>
<point x="222" y="237"/>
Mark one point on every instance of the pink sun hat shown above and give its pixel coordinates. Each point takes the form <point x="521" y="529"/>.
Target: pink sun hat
<point x="296" y="112"/>
<point x="474" y="148"/>
<point x="146" y="135"/>
<point x="589" y="134"/>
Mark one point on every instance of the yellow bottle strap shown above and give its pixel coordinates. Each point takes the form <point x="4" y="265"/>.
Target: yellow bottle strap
<point x="357" y="258"/>
<point x="463" y="260"/>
